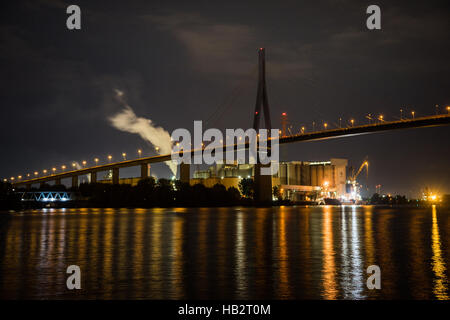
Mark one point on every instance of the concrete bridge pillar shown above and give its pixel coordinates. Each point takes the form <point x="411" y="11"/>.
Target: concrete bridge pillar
<point x="115" y="175"/>
<point x="144" y="170"/>
<point x="93" y="177"/>
<point x="74" y="181"/>
<point x="185" y="172"/>
<point x="263" y="185"/>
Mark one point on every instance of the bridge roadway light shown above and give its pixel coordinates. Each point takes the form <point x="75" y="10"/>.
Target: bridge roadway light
<point x="54" y="170"/>
<point x="124" y="155"/>
<point x="109" y="158"/>
<point x="44" y="171"/>
<point x="74" y="165"/>
<point x="381" y="118"/>
<point x="303" y="129"/>
<point x="84" y="163"/>
<point x="96" y="161"/>
<point x="140" y="153"/>
<point x="448" y="109"/>
<point x="63" y="168"/>
<point x="36" y="173"/>
<point x="19" y="177"/>
<point x="12" y="178"/>
<point x="401" y="114"/>
<point x="352" y="121"/>
<point x="413" y="113"/>
<point x="325" y="125"/>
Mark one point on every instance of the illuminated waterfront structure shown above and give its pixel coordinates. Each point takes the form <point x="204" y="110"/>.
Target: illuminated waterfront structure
<point x="297" y="180"/>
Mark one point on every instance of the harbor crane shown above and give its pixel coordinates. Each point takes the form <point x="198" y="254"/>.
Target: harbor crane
<point x="354" y="192"/>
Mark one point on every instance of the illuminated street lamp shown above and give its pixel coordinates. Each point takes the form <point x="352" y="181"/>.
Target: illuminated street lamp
<point x="140" y="152"/>
<point x="54" y="170"/>
<point x="381" y="117"/>
<point x="157" y="149"/>
<point x="74" y="165"/>
<point x="84" y="163"/>
<point x="28" y="175"/>
<point x="44" y="171"/>
<point x="352" y="121"/>
<point x="325" y="125"/>
<point x="12" y="178"/>
<point x="36" y="173"/>
<point x="413" y="114"/>
<point x="303" y="129"/>
<point x="448" y="109"/>
<point x="401" y="114"/>
<point x="96" y="161"/>
<point x="109" y="158"/>
<point x="19" y="177"/>
<point x="63" y="168"/>
<point x="124" y="155"/>
<point x="340" y="122"/>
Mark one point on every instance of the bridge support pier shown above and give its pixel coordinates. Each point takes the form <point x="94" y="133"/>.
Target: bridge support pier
<point x="93" y="177"/>
<point x="263" y="185"/>
<point x="57" y="182"/>
<point x="185" y="172"/>
<point x="144" y="171"/>
<point x="115" y="175"/>
<point x="74" y="181"/>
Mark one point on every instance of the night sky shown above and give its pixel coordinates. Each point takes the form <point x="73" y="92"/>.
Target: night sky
<point x="177" y="62"/>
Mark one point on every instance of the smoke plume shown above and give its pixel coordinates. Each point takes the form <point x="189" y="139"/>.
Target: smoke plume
<point x="126" y="120"/>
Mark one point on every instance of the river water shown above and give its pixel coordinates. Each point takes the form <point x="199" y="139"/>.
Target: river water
<point x="226" y="253"/>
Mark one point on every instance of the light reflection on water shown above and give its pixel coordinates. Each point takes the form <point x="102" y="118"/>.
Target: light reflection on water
<point x="235" y="253"/>
<point x="439" y="269"/>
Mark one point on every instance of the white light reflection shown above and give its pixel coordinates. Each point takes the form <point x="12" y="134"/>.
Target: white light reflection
<point x="240" y="256"/>
<point x="356" y="261"/>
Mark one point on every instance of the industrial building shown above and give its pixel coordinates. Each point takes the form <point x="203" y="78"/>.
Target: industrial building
<point x="297" y="180"/>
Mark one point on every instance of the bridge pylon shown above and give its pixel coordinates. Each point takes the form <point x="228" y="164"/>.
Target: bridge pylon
<point x="262" y="183"/>
<point x="261" y="95"/>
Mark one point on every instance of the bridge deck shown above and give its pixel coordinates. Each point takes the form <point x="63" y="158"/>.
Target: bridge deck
<point x="438" y="120"/>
